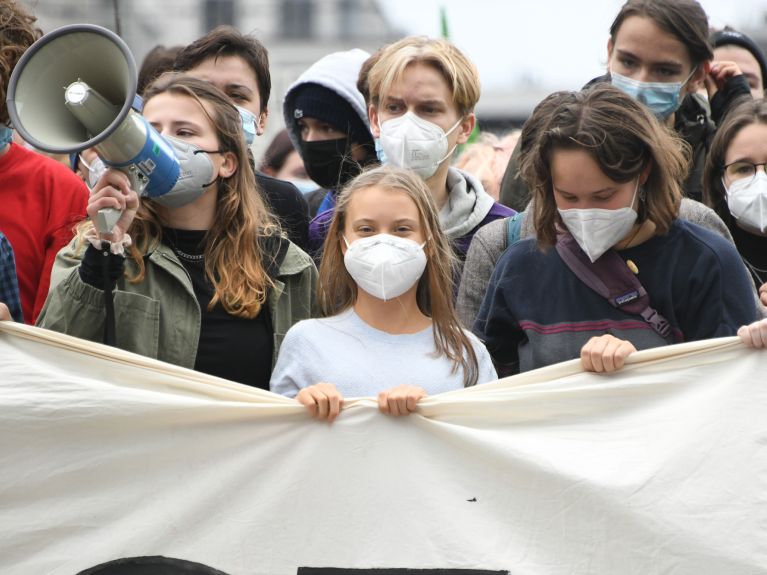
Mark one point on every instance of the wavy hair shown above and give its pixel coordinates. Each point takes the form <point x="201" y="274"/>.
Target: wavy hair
<point x="337" y="290"/>
<point x="17" y="33"/>
<point x="620" y="135"/>
<point x="234" y="262"/>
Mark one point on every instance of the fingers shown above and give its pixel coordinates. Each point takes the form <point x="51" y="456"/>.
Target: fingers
<point x="113" y="191"/>
<point x="754" y="334"/>
<point x="323" y="401"/>
<point x="5" y="313"/>
<point x="763" y="294"/>
<point x="605" y="353"/>
<point x="400" y="400"/>
<point x="719" y="73"/>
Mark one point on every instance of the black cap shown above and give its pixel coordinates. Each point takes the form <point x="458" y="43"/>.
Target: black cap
<point x="730" y="37"/>
<point x="315" y="101"/>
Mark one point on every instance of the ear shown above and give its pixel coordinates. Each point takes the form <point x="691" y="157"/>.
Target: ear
<point x="375" y="127"/>
<point x="229" y="166"/>
<point x="610" y="47"/>
<point x="645" y="173"/>
<point x="466" y="128"/>
<point x="261" y="122"/>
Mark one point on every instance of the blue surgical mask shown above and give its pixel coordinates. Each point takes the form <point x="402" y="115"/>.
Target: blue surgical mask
<point x="248" y="124"/>
<point x="6" y="135"/>
<point x="380" y="151"/>
<point x="304" y="186"/>
<point x="663" y="98"/>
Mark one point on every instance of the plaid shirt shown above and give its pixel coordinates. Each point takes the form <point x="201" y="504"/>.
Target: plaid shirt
<point x="9" y="287"/>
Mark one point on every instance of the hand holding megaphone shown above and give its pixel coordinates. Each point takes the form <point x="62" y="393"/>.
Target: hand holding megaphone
<point x="113" y="191"/>
<point x="74" y="89"/>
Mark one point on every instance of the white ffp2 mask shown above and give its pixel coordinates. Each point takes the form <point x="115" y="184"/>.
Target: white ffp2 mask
<point x="413" y="143"/>
<point x="383" y="265"/>
<point x="596" y="229"/>
<point x="747" y="201"/>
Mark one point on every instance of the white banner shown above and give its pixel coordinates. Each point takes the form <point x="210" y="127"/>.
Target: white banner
<point x="660" y="468"/>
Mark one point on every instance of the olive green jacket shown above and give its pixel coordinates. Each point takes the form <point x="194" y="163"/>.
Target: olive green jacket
<point x="159" y="317"/>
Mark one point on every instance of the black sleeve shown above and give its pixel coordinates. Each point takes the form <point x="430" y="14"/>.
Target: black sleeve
<point x="735" y="87"/>
<point x="92" y="271"/>
<point x="289" y="205"/>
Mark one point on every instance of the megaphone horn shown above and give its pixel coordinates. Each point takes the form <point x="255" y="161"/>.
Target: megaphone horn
<point x="74" y="89"/>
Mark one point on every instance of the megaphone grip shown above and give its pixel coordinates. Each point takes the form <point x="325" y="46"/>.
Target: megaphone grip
<point x="106" y="220"/>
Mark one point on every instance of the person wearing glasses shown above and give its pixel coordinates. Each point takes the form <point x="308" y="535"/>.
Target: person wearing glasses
<point x="735" y="184"/>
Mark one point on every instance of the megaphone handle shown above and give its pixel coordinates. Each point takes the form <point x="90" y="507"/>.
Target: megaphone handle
<point x="106" y="220"/>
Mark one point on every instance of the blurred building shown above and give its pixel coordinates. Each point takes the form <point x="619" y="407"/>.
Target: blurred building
<point x="296" y="32"/>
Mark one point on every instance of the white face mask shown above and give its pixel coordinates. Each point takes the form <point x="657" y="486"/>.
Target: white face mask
<point x="597" y="230"/>
<point x="385" y="266"/>
<point x="747" y="200"/>
<point x="95" y="170"/>
<point x="415" y="144"/>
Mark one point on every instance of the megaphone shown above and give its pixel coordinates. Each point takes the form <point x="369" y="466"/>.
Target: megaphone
<point x="74" y="89"/>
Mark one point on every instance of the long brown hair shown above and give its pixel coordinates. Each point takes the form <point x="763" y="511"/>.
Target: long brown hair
<point x="746" y="112"/>
<point x="620" y="135"/>
<point x="233" y="258"/>
<point x="337" y="291"/>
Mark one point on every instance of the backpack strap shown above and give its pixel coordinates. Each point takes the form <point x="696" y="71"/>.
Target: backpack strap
<point x="611" y="278"/>
<point x="514" y="228"/>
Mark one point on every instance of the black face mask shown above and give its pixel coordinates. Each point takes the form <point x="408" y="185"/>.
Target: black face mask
<point x="329" y="162"/>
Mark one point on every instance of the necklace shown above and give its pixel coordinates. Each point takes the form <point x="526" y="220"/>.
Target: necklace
<point x="755" y="271"/>
<point x="633" y="237"/>
<point x="185" y="256"/>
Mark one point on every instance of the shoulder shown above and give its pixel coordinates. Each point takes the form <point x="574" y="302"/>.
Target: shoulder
<point x="295" y="261"/>
<point x="703" y="242"/>
<point x="492" y="237"/>
<point x="280" y="192"/>
<point x="40" y="167"/>
<point x="700" y="214"/>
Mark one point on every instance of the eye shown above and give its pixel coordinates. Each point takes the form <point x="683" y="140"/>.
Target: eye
<point x="667" y="72"/>
<point x="364" y="230"/>
<point x="184" y="133"/>
<point x="238" y="97"/>
<point x="627" y="62"/>
<point x="393" y="108"/>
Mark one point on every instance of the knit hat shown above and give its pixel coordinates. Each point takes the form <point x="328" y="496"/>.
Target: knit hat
<point x="728" y="37"/>
<point x="315" y="101"/>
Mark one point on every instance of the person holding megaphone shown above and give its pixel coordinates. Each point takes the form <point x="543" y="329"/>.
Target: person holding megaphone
<point x="203" y="276"/>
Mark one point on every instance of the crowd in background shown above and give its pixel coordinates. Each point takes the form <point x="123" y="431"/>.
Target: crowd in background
<point x="384" y="245"/>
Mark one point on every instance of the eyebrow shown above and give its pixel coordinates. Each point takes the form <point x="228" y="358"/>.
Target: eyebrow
<point x="373" y="221"/>
<point x="601" y="191"/>
<point x="626" y="53"/>
<point x="233" y="86"/>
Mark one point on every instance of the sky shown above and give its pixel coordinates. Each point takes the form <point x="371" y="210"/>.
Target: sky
<point x="559" y="44"/>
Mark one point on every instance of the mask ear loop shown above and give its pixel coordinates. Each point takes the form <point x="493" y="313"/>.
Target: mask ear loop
<point x="209" y="152"/>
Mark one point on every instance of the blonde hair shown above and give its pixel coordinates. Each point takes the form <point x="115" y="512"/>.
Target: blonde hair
<point x="337" y="291"/>
<point x="459" y="73"/>
<point x="233" y="257"/>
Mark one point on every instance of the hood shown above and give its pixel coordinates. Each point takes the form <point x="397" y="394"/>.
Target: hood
<point x="337" y="72"/>
<point x="467" y="204"/>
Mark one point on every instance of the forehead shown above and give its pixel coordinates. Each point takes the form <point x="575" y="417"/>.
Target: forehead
<point x="421" y="81"/>
<point x="750" y="143"/>
<point x="381" y="204"/>
<point x="576" y="171"/>
<point x="643" y="38"/>
<point x="169" y="107"/>
<point x="742" y="57"/>
<point x="222" y="71"/>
